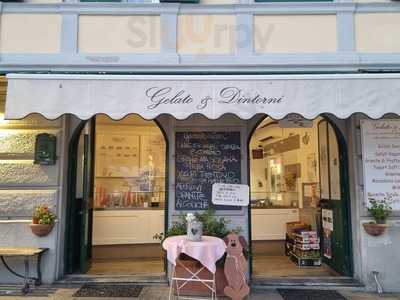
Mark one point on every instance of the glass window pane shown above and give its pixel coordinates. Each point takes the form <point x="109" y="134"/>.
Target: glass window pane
<point x="129" y="164"/>
<point x="334" y="166"/>
<point x="323" y="159"/>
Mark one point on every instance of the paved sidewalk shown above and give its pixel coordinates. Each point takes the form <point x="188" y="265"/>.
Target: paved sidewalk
<point x="161" y="292"/>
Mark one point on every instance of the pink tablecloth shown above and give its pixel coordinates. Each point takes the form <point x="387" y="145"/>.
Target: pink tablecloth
<point x="207" y="251"/>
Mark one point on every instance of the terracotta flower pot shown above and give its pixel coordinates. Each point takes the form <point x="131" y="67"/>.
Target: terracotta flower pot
<point x="375" y="229"/>
<point x="41" y="229"/>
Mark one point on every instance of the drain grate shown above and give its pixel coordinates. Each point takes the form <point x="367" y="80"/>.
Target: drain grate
<point x="120" y="291"/>
<point x="298" y="294"/>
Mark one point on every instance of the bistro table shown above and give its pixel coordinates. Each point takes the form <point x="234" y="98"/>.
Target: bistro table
<point x="26" y="253"/>
<point x="207" y="251"/>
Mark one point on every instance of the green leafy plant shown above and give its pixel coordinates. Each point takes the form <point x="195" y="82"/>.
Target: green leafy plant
<point x="380" y="210"/>
<point x="43" y="215"/>
<point x="212" y="226"/>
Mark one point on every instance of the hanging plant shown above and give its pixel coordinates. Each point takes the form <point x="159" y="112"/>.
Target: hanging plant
<point x="380" y="210"/>
<point x="42" y="221"/>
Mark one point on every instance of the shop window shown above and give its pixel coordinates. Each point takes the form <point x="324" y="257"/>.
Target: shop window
<point x="129" y="164"/>
<point x="329" y="162"/>
<point x="293" y="0"/>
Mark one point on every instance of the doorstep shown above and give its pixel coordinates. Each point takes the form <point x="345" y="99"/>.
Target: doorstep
<point x="306" y="282"/>
<point x="79" y="279"/>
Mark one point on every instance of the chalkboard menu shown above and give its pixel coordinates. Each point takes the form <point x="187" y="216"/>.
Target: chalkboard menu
<point x="202" y="159"/>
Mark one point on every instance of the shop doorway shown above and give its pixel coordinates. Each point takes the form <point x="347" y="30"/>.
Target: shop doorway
<point x="117" y="198"/>
<point x="300" y="222"/>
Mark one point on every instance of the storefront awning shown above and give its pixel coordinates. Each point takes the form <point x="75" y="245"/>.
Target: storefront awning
<point x="213" y="96"/>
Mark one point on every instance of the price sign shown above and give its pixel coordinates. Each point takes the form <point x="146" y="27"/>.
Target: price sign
<point x="230" y="194"/>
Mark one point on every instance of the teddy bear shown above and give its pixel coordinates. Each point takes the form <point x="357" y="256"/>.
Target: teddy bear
<point x="235" y="267"/>
<point x="194" y="228"/>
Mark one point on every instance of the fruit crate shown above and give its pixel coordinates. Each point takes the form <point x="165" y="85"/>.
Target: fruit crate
<point x="305" y="261"/>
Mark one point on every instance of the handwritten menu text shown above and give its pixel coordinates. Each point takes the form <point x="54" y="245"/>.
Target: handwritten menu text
<point x="381" y="160"/>
<point x="202" y="159"/>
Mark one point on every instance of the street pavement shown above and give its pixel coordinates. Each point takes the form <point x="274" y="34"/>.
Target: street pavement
<point x="161" y="292"/>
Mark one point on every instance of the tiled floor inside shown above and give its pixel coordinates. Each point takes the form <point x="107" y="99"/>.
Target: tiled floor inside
<point x="268" y="266"/>
<point x="282" y="266"/>
<point x="141" y="266"/>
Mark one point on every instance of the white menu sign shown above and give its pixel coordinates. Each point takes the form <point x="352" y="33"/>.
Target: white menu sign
<point x="381" y="160"/>
<point x="230" y="194"/>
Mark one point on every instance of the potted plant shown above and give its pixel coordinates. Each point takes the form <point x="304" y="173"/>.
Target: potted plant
<point x="42" y="221"/>
<point x="380" y="210"/>
<point x="212" y="226"/>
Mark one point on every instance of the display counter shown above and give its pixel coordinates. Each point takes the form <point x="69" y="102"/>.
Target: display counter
<point x="127" y="226"/>
<point x="270" y="223"/>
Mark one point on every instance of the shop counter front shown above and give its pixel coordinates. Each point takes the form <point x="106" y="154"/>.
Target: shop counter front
<point x="127" y="226"/>
<point x="270" y="223"/>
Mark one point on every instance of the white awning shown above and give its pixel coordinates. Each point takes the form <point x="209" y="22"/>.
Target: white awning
<point x="213" y="96"/>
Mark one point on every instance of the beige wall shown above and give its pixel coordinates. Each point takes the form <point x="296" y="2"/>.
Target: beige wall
<point x="30" y="33"/>
<point x="197" y="34"/>
<point x="373" y="1"/>
<point x="23" y="185"/>
<point x="293" y="34"/>
<point x="378" y="32"/>
<point x="43" y="1"/>
<point x="119" y="34"/>
<point x="219" y="1"/>
<point x="206" y="34"/>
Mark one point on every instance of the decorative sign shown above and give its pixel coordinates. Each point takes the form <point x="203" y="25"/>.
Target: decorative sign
<point x="327" y="226"/>
<point x="381" y="160"/>
<point x="295" y="121"/>
<point x="202" y="159"/>
<point x="257" y="153"/>
<point x="230" y="194"/>
<point x="327" y="219"/>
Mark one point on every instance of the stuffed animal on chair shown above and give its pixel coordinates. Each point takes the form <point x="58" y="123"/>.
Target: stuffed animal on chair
<point x="235" y="268"/>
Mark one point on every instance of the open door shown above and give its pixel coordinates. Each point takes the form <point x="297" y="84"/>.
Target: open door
<point x="85" y="207"/>
<point x="335" y="227"/>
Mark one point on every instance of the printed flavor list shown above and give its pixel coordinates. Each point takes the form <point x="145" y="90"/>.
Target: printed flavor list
<point x="381" y="160"/>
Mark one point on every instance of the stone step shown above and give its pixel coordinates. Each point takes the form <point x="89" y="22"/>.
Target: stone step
<point x="35" y="291"/>
<point x="120" y="279"/>
<point x="296" y="282"/>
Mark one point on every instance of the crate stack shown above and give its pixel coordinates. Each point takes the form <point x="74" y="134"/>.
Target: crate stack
<point x="303" y="245"/>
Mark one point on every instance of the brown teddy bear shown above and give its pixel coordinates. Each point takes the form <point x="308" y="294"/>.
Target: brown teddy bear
<point x="235" y="267"/>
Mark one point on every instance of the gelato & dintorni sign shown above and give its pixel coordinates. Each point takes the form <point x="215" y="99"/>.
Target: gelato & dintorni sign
<point x="210" y="95"/>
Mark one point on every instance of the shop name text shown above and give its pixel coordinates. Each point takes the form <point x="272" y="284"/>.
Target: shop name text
<point x="228" y="95"/>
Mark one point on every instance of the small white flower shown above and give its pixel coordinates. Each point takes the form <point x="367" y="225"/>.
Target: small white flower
<point x="190" y="217"/>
